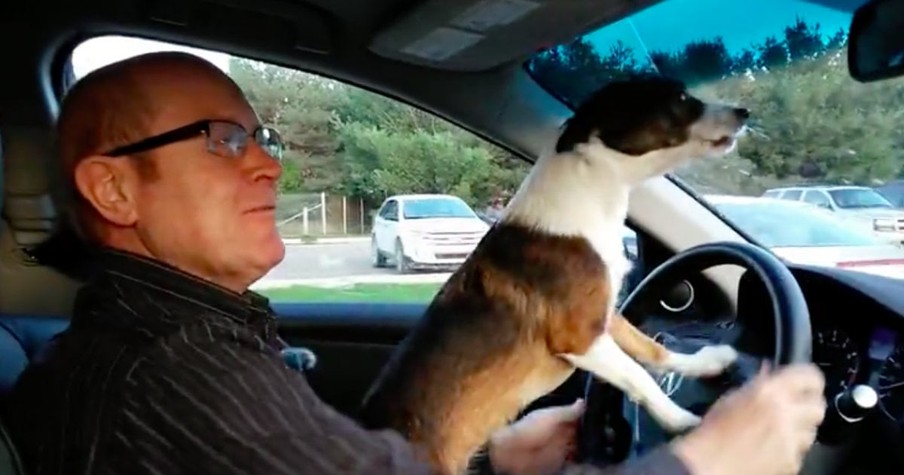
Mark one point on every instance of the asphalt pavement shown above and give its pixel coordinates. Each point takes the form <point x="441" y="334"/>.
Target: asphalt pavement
<point x="317" y="261"/>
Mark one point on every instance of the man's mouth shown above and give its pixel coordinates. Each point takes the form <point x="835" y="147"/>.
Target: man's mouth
<point x="262" y="209"/>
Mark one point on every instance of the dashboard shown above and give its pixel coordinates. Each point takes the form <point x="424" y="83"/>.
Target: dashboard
<point x="857" y="323"/>
<point x="872" y="356"/>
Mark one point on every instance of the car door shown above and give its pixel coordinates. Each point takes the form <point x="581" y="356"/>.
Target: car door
<point x="389" y="229"/>
<point x="384" y="227"/>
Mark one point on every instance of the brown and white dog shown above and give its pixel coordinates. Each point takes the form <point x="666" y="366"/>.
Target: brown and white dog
<point x="536" y="298"/>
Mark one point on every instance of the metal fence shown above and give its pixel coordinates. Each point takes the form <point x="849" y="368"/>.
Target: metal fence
<point x="321" y="214"/>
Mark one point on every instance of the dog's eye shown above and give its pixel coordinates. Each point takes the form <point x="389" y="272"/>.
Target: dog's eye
<point x="682" y="97"/>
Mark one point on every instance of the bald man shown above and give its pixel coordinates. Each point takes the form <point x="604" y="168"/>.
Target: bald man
<point x="171" y="365"/>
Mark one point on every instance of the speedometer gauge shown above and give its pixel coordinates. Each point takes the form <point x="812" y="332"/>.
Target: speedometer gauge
<point x="838" y="358"/>
<point x="891" y="384"/>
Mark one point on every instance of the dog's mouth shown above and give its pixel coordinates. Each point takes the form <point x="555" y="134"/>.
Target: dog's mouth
<point x="723" y="141"/>
<point x="727" y="140"/>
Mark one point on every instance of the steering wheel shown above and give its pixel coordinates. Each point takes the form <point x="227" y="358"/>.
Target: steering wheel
<point x="604" y="435"/>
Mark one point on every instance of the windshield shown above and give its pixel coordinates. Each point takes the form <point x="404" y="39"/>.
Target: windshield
<point x="436" y="208"/>
<point x="785" y="60"/>
<point x="786" y="225"/>
<point x="894" y="193"/>
<point x="859" y="198"/>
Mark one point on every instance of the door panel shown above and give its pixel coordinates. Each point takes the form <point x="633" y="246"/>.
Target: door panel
<point x="353" y="341"/>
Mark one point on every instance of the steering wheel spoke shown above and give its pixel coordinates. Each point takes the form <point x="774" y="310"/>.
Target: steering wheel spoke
<point x="605" y="423"/>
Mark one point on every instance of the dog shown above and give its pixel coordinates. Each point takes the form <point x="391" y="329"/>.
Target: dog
<point x="535" y="300"/>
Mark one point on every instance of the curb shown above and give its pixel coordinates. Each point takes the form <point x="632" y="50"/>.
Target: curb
<point x="349" y="281"/>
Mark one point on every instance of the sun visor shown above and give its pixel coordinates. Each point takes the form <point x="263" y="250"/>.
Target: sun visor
<point x="475" y="35"/>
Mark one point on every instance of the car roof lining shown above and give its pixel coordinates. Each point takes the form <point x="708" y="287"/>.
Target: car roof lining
<point x="476" y="35"/>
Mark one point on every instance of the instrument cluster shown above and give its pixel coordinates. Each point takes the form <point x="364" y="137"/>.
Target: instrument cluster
<point x="875" y="359"/>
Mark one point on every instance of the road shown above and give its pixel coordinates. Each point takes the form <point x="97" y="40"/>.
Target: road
<point x="316" y="261"/>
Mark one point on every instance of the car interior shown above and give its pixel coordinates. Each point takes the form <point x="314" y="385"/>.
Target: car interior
<point x="769" y="308"/>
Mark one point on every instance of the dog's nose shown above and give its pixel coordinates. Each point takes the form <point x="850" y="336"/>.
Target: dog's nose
<point x="742" y="112"/>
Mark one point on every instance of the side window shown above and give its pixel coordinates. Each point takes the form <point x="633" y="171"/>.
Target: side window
<point x="349" y="151"/>
<point x="629" y="239"/>
<point x="391" y="211"/>
<point x="818" y="198"/>
<point x="636" y="274"/>
<point x="772" y="194"/>
<point x="792" y="195"/>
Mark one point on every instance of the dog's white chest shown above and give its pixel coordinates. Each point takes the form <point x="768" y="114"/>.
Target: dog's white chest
<point x="611" y="250"/>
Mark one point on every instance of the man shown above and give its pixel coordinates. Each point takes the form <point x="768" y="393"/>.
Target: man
<point x="170" y="365"/>
<point x="494" y="210"/>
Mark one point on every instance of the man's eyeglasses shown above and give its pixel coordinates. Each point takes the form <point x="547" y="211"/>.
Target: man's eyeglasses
<point x="224" y="138"/>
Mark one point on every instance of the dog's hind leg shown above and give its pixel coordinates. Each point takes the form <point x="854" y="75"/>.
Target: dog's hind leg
<point x="708" y="361"/>
<point x="608" y="362"/>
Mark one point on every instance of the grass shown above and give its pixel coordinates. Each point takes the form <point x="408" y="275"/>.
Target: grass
<point x="369" y="293"/>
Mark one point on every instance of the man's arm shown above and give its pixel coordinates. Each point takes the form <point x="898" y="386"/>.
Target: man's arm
<point x="211" y="405"/>
<point x="234" y="407"/>
<point x="661" y="461"/>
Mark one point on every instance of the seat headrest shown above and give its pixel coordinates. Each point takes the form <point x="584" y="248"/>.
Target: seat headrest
<point x="30" y="201"/>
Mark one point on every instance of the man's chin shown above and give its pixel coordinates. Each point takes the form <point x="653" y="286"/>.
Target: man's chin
<point x="261" y="256"/>
<point x="273" y="249"/>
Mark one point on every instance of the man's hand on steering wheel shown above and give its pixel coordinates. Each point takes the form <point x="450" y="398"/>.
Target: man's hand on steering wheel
<point x="539" y="443"/>
<point x="788" y="404"/>
<point x="764" y="428"/>
<point x="600" y="430"/>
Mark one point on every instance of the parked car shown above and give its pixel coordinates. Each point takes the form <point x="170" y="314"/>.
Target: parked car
<point x="425" y="232"/>
<point x="805" y="234"/>
<point x="860" y="205"/>
<point x="893" y="191"/>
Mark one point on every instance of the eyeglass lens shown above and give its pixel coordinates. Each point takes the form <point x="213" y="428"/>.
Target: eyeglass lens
<point x="231" y="140"/>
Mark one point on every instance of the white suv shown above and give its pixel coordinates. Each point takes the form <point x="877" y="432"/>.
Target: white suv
<point x="858" y="204"/>
<point x="425" y="231"/>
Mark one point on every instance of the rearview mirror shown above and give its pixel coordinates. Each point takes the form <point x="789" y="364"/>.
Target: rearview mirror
<point x="876" y="42"/>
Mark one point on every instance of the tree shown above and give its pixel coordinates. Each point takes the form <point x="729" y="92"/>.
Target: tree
<point x="301" y="106"/>
<point x="380" y="162"/>
<point x="697" y="62"/>
<point x="809" y="117"/>
<point x="578" y="69"/>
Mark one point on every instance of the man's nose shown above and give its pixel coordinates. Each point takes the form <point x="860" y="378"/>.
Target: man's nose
<point x="262" y="164"/>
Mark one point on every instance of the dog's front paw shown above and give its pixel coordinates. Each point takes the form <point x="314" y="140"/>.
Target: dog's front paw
<point x="707" y="361"/>
<point x="676" y="421"/>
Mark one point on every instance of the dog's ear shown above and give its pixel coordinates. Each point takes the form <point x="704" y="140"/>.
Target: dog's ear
<point x="573" y="133"/>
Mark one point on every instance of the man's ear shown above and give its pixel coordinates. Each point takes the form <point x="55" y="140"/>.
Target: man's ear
<point x="109" y="184"/>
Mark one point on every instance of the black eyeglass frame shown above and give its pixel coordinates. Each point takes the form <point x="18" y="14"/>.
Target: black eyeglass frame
<point x="189" y="131"/>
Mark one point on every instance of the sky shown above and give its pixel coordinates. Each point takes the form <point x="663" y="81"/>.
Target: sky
<point x="671" y="24"/>
<point x="100" y="51"/>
